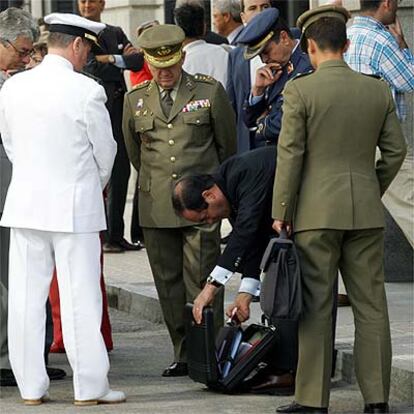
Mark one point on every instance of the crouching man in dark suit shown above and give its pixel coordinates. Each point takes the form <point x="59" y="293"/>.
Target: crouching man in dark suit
<point x="241" y="191"/>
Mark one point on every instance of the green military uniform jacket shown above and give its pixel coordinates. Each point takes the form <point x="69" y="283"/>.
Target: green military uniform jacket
<point x="198" y="135"/>
<point x="327" y="176"/>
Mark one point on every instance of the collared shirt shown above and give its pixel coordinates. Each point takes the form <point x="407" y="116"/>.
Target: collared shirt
<point x="205" y="58"/>
<point x="234" y="34"/>
<point x="374" y="50"/>
<point x="173" y="92"/>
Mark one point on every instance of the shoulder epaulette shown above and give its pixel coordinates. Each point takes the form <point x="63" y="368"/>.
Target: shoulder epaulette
<point x="89" y="75"/>
<point x="200" y="77"/>
<point x="301" y="75"/>
<point x="138" y="86"/>
<point x="141" y="84"/>
<point x="373" y="75"/>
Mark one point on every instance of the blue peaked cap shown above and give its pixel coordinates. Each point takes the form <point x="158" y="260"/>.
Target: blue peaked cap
<point x="258" y="32"/>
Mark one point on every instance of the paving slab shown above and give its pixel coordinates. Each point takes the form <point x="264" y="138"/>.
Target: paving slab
<point x="142" y="350"/>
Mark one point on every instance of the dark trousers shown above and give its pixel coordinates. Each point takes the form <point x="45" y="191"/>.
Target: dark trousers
<point x="118" y="184"/>
<point x="136" y="229"/>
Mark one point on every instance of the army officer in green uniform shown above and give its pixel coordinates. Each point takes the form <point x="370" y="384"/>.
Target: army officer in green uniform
<point x="175" y="125"/>
<point x="329" y="186"/>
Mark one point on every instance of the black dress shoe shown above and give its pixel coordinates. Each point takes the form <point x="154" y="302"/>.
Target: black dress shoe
<point x="112" y="248"/>
<point x="271" y="384"/>
<point x="126" y="245"/>
<point x="377" y="408"/>
<point x="297" y="408"/>
<point x="55" y="373"/>
<point x="7" y="378"/>
<point x="176" y="369"/>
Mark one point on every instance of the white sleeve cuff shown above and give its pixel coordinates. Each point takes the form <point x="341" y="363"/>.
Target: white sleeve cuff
<point x="250" y="285"/>
<point x="119" y="62"/>
<point x="253" y="100"/>
<point x="221" y="274"/>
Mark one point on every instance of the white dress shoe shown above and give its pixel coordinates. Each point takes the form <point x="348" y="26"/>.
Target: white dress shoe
<point x="37" y="401"/>
<point x="112" y="397"/>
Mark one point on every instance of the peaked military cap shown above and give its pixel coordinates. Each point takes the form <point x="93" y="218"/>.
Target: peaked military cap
<point x="162" y="45"/>
<point x="258" y="32"/>
<point x="311" y="16"/>
<point x="75" y="25"/>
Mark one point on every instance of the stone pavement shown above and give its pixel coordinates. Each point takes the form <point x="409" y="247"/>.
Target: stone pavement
<point x="142" y="350"/>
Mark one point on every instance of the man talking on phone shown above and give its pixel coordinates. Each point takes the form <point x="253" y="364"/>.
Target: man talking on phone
<point x="269" y="36"/>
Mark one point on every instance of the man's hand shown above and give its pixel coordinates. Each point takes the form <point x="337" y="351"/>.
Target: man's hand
<point x="204" y="298"/>
<point x="103" y="58"/>
<point x="396" y="30"/>
<point x="129" y="50"/>
<point x="265" y="76"/>
<point x="242" y="303"/>
<point x="279" y="225"/>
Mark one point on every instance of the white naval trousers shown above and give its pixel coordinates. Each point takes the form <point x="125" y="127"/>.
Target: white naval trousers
<point x="33" y="256"/>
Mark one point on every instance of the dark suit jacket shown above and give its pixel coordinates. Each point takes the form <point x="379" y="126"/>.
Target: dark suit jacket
<point x="238" y="89"/>
<point x="214" y="38"/>
<point x="112" y="41"/>
<point x="246" y="180"/>
<point x="268" y="125"/>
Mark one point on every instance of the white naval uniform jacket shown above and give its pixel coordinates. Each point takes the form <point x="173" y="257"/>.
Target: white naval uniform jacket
<point x="57" y="133"/>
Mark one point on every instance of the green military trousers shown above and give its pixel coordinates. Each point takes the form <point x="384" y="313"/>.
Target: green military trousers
<point x="358" y="254"/>
<point x="181" y="259"/>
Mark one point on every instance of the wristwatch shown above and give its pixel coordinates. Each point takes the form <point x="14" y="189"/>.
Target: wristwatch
<point x="111" y="59"/>
<point x="212" y="281"/>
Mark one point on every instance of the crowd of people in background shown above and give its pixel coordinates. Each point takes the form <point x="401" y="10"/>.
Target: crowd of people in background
<point x="202" y="110"/>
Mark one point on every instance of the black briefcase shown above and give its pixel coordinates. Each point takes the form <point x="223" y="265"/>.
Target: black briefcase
<point x="224" y="364"/>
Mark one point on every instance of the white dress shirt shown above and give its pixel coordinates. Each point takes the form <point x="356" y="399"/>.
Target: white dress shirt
<point x="205" y="58"/>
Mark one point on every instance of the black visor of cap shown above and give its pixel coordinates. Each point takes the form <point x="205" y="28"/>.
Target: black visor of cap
<point x="72" y="30"/>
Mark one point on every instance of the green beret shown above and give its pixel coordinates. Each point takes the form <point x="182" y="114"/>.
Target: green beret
<point x="162" y="45"/>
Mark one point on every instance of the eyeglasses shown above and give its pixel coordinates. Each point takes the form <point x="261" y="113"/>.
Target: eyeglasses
<point x="22" y="53"/>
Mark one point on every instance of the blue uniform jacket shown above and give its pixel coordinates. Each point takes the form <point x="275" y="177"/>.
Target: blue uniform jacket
<point x="238" y="90"/>
<point x="266" y="115"/>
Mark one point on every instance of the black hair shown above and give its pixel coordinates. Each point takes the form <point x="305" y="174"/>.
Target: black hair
<point x="187" y="194"/>
<point x="281" y="26"/>
<point x="329" y="33"/>
<point x="370" y="4"/>
<point x="190" y="17"/>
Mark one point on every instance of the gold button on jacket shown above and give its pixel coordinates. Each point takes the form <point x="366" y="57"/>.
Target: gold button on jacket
<point x="197" y="136"/>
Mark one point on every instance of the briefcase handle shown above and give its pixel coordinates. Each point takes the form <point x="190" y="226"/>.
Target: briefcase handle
<point x="269" y="249"/>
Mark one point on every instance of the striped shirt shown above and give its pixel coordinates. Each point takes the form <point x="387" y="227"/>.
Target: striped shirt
<point x="374" y="50"/>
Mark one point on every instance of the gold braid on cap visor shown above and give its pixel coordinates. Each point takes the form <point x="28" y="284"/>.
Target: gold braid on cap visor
<point x="252" y="51"/>
<point x="93" y="39"/>
<point x="163" y="57"/>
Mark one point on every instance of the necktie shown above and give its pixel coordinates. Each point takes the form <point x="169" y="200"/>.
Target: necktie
<point x="167" y="102"/>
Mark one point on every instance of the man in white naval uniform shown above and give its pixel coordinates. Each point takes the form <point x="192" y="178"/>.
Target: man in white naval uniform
<point x="62" y="154"/>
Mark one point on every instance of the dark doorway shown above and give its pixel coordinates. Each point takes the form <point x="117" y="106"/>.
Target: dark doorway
<point x="169" y="11"/>
<point x="5" y="4"/>
<point x="290" y="10"/>
<point x="64" y="6"/>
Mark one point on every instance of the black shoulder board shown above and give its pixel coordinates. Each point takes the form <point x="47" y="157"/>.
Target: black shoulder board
<point x="301" y="75"/>
<point x="372" y="75"/>
<point x="89" y="75"/>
